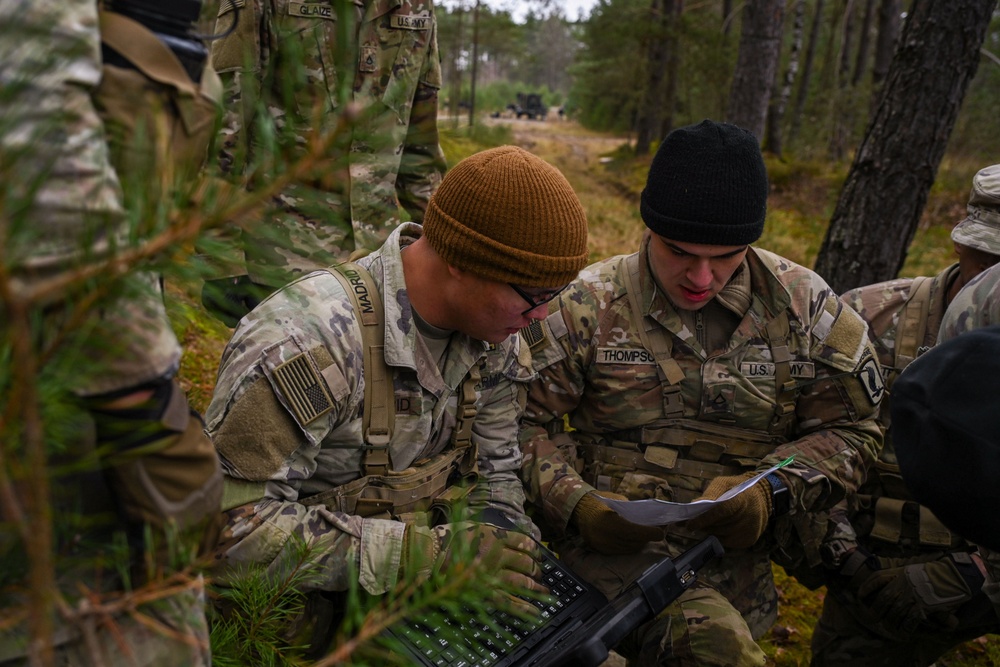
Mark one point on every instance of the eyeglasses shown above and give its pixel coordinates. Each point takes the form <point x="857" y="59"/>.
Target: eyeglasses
<point x="536" y="300"/>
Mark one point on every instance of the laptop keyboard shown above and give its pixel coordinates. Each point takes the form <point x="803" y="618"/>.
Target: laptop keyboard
<point x="447" y="641"/>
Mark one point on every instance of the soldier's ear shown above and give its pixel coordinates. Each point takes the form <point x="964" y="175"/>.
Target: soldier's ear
<point x="461" y="275"/>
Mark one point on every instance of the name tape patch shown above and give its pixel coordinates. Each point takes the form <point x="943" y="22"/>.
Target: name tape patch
<point x="411" y="22"/>
<point x="624" y="355"/>
<point x="765" y="369"/>
<point x="311" y="10"/>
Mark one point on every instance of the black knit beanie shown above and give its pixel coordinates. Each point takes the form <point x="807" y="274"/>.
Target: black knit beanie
<point x="707" y="184"/>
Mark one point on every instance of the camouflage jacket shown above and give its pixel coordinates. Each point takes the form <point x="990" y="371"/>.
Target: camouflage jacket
<point x="386" y="156"/>
<point x="594" y="370"/>
<point x="63" y="167"/>
<point x="265" y="438"/>
<point x="896" y="318"/>
<point x="976" y="305"/>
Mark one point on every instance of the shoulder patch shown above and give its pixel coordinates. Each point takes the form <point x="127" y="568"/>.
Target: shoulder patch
<point x="303" y="388"/>
<point x="871" y="380"/>
<point x="533" y="334"/>
<point x="843" y="332"/>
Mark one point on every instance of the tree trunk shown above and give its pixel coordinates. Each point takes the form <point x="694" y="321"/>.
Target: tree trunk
<point x="840" y="109"/>
<point x="886" y="188"/>
<point x="650" y="109"/>
<point x="779" y="102"/>
<point x="759" y="53"/>
<point x="456" y="72"/>
<point x="475" y="62"/>
<point x="727" y="16"/>
<point x="807" y="67"/>
<point x="864" y="39"/>
<point x="674" y="9"/>
<point x="889" y="19"/>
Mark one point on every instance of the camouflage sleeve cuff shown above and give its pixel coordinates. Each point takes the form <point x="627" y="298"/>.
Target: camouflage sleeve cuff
<point x="562" y="499"/>
<point x="380" y="554"/>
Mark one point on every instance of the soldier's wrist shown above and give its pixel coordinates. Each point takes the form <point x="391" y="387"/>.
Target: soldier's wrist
<point x="780" y="495"/>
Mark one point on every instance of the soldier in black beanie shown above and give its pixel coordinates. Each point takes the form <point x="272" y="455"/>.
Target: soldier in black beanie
<point x="707" y="184"/>
<point x="685" y="369"/>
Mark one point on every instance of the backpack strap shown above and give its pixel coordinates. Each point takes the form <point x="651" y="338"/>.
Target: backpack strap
<point x="379" y="415"/>
<point x="913" y="323"/>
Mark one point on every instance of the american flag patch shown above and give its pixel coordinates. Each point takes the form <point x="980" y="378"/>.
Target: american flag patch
<point x="304" y="389"/>
<point x="533" y="333"/>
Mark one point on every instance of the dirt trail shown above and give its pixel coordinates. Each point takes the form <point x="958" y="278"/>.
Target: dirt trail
<point x="564" y="143"/>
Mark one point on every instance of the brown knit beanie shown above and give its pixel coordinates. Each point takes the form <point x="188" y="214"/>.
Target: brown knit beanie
<point x="509" y="216"/>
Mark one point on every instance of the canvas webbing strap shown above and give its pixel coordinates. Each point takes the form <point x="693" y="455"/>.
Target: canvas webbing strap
<point x="913" y="323"/>
<point x="379" y="414"/>
<point x="655" y="339"/>
<point x="777" y="337"/>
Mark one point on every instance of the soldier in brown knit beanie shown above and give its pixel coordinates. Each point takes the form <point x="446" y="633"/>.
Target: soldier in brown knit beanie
<point x="511" y="232"/>
<point x="507" y="215"/>
<point x="311" y="427"/>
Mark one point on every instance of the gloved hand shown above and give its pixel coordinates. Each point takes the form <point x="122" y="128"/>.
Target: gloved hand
<point x="229" y="299"/>
<point x="513" y="556"/>
<point x="740" y="521"/>
<point x="605" y="530"/>
<point x="905" y="593"/>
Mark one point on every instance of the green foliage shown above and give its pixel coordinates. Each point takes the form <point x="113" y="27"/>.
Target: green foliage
<point x="608" y="75"/>
<point x="262" y="618"/>
<point x="252" y="613"/>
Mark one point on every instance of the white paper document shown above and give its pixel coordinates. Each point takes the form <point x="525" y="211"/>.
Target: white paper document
<point x="661" y="512"/>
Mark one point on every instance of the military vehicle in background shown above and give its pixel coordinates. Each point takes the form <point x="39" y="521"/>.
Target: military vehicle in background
<point x="529" y="105"/>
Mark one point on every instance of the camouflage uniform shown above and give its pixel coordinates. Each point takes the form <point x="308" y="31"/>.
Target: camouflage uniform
<point x="57" y="147"/>
<point x="290" y="457"/>
<point x="977" y="305"/>
<point x="663" y="430"/>
<point x="387" y="157"/>
<point x="903" y="317"/>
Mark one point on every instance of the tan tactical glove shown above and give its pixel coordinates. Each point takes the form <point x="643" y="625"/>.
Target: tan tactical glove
<point x="511" y="555"/>
<point x="605" y="531"/>
<point x="738" y="522"/>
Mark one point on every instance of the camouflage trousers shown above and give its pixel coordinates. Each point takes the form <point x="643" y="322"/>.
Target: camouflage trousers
<point x="701" y="627"/>
<point x="169" y="632"/>
<point x="846" y="635"/>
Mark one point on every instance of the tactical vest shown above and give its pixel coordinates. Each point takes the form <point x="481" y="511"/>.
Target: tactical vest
<point x="685" y="453"/>
<point x="895" y="517"/>
<point x="417" y="494"/>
